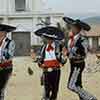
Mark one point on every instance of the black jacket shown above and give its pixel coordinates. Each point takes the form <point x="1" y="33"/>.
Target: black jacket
<point x="58" y="53"/>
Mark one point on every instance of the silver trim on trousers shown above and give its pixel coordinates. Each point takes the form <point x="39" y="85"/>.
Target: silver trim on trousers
<point x="80" y="91"/>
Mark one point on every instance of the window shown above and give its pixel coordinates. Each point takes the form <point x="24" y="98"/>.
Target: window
<point x="20" y="5"/>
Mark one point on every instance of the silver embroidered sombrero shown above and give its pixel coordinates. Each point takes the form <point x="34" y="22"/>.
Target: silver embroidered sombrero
<point x="50" y="32"/>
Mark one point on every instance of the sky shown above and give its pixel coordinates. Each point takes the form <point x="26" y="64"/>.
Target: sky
<point x="85" y="7"/>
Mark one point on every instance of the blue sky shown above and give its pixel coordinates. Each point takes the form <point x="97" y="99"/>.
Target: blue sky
<point x="89" y="7"/>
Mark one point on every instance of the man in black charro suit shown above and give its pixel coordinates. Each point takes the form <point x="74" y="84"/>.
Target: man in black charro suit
<point x="77" y="51"/>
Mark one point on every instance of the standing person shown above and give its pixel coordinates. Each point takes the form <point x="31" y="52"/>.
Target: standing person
<point x="52" y="57"/>
<point x="7" y="48"/>
<point x="68" y="29"/>
<point x="77" y="50"/>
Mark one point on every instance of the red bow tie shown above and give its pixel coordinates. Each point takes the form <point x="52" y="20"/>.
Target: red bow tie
<point x="50" y="48"/>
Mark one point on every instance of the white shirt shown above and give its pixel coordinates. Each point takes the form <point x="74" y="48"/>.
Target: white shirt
<point x="51" y="54"/>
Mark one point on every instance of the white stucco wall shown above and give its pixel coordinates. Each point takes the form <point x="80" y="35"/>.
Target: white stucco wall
<point x="26" y="21"/>
<point x="8" y="6"/>
<point x="3" y="7"/>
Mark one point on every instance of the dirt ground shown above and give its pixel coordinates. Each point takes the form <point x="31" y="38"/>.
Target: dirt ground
<point x="21" y="86"/>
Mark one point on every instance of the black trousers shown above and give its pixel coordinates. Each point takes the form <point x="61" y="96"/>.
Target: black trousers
<point x="75" y="77"/>
<point x="74" y="67"/>
<point x="51" y="84"/>
<point x="75" y="81"/>
<point x="4" y="77"/>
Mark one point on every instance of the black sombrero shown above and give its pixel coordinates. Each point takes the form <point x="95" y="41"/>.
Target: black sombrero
<point x="82" y="24"/>
<point x="50" y="32"/>
<point x="68" y="20"/>
<point x="77" y="22"/>
<point x="6" y="28"/>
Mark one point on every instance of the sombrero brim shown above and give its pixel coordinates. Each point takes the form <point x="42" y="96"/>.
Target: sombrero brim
<point x="50" y="36"/>
<point x="7" y="28"/>
<point x="68" y="20"/>
<point x="49" y="31"/>
<point x="82" y="24"/>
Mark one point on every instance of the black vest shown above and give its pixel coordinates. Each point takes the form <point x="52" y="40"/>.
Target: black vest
<point x="80" y="49"/>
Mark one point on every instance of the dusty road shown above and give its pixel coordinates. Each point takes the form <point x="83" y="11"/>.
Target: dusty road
<point x="24" y="87"/>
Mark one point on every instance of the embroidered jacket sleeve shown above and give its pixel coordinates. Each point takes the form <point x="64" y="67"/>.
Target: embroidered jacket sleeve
<point x="11" y="49"/>
<point x="59" y="54"/>
<point x="42" y="55"/>
<point x="85" y="44"/>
